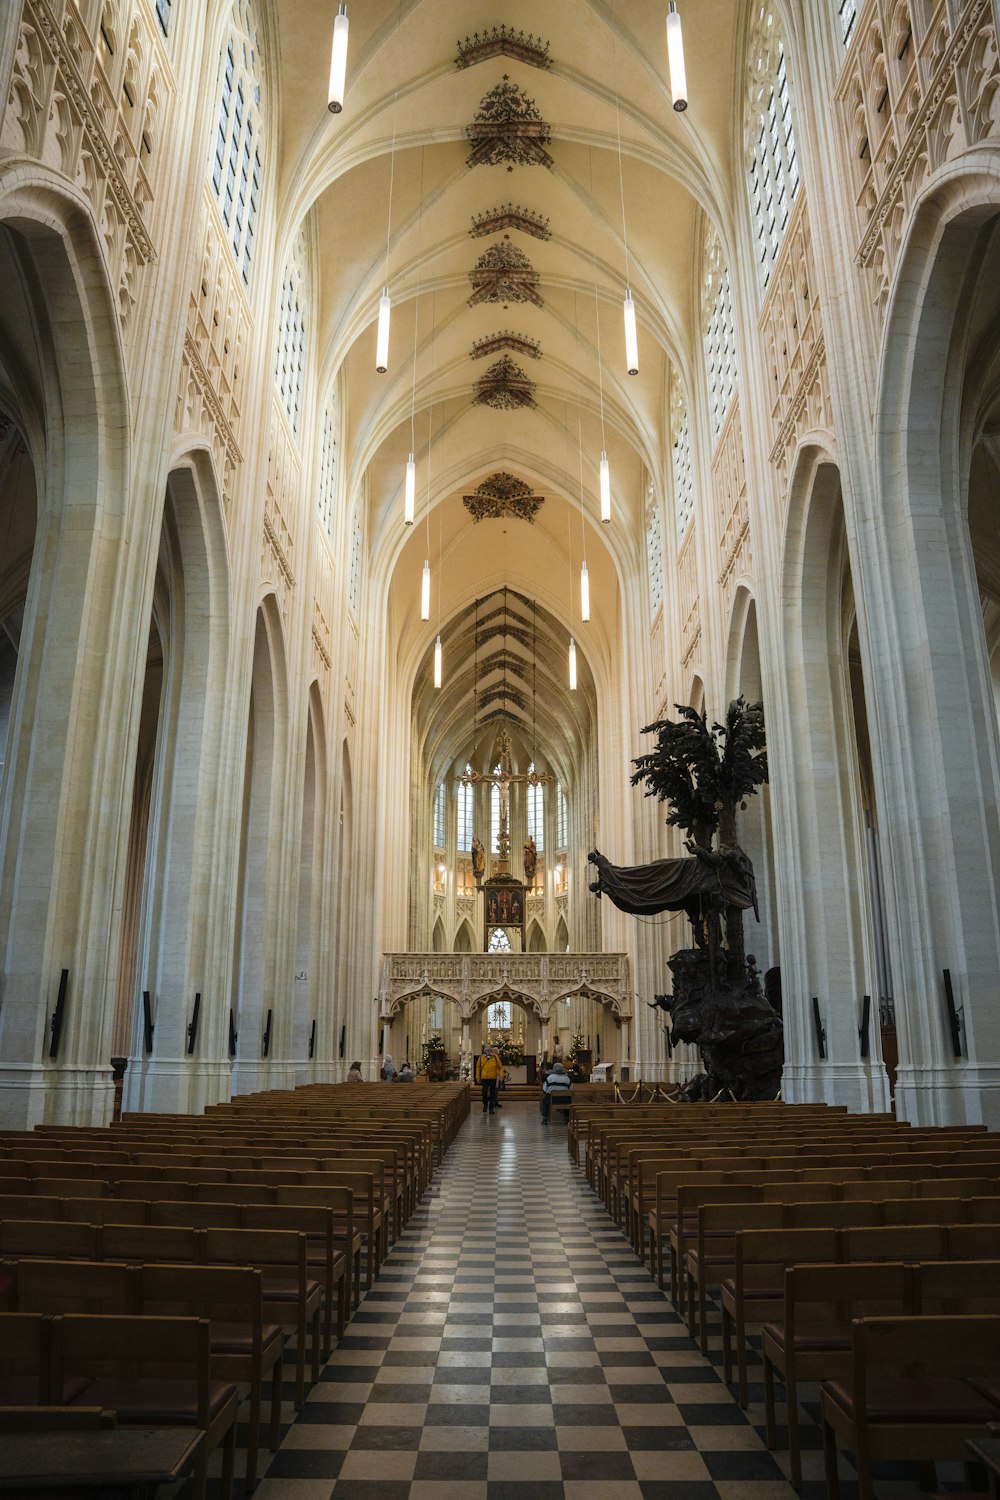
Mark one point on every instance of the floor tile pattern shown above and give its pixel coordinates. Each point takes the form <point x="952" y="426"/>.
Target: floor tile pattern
<point x="513" y="1348"/>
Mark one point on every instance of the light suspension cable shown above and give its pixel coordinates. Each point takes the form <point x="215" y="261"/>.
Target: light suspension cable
<point x="584" y="575"/>
<point x="569" y="559"/>
<point x="437" y="643"/>
<point x="410" y="487"/>
<point x="338" y="62"/>
<point x="675" y="59"/>
<point x="631" y="339"/>
<point x="604" y="469"/>
<point x="385" y="301"/>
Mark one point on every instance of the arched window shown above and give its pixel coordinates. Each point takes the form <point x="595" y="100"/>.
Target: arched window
<point x="683" y="471"/>
<point x="498" y="1015"/>
<point x="495" y="812"/>
<point x="439" y="797"/>
<point x="354" y="577"/>
<point x="772" y="160"/>
<point x="163" y="15"/>
<point x="720" y="334"/>
<point x="328" y="469"/>
<point x="536" y="812"/>
<point x="562" y="818"/>
<point x="499" y="941"/>
<point x="847" y="13"/>
<point x="463" y="811"/>
<point x="289" y="368"/>
<point x="236" y="167"/>
<point x="654" y="550"/>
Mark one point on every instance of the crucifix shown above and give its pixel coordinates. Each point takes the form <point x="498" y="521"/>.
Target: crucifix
<point x="504" y="778"/>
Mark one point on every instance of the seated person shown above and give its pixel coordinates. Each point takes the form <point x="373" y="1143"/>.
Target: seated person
<point x="557" y="1082"/>
<point x="576" y="1073"/>
<point x="406" y="1074"/>
<point x="355" y="1074"/>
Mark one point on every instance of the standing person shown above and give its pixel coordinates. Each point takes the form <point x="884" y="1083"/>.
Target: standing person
<point x="557" y="1082"/>
<point x="388" y="1069"/>
<point x="355" y="1074"/>
<point x="490" y="1074"/>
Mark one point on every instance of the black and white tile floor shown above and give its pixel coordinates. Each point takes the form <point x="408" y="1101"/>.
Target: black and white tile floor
<point x="513" y="1348"/>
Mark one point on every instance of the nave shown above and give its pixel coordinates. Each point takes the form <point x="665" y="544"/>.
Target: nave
<point x="513" y="1348"/>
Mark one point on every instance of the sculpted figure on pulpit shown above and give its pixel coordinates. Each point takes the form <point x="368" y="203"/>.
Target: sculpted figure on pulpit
<point x="478" y="859"/>
<point x="530" y="860"/>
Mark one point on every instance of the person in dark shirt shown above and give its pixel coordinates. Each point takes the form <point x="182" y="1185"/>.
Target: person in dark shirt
<point x="557" y="1082"/>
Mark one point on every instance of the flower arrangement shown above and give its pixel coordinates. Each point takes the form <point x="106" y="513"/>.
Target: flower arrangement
<point x="511" y="1052"/>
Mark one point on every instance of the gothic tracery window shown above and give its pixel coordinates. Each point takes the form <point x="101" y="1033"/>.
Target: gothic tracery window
<point x="495" y="812"/>
<point x="847" y="14"/>
<point x="463" y="811"/>
<point x="680" y="449"/>
<point x="562" y="818"/>
<point x="720" y="332"/>
<point x="236" y="167"/>
<point x="439" y="797"/>
<point x="354" y="576"/>
<point x="772" y="159"/>
<point x="654" y="550"/>
<point x="536" y="812"/>
<point x="498" y="1015"/>
<point x="499" y="941"/>
<point x="289" y="370"/>
<point x="328" y="470"/>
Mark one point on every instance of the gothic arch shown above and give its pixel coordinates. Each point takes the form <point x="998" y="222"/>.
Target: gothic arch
<point x="62" y="379"/>
<point x="937" y="386"/>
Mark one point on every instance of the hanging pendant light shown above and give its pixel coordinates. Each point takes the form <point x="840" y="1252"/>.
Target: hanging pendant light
<point x="675" y="60"/>
<point x="437" y="662"/>
<point x="584" y="591"/>
<point x="572" y="664"/>
<point x="425" y="591"/>
<point x="338" y="62"/>
<point x="631" y="337"/>
<point x="382" y="343"/>
<point x="605" y="488"/>
<point x="410" y="492"/>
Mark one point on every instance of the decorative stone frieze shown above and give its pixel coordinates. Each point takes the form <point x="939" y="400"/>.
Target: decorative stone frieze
<point x="729" y="487"/>
<point x="510" y="216"/>
<point x="508" y="130"/>
<point x="93" y="116"/>
<point x="475" y="980"/>
<point x="915" y="91"/>
<point x="687" y="596"/>
<point x="503" y="495"/>
<point x="278" y="548"/>
<point x="200" y="409"/>
<point x="503" y="41"/>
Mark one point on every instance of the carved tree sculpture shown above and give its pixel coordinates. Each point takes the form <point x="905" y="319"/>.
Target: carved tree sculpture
<point x="706" y="774"/>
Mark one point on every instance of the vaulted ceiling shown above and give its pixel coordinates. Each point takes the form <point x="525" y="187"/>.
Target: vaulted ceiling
<point x="595" y="75"/>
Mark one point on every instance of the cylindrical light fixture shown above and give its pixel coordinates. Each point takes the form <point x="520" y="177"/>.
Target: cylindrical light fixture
<point x="437" y="662"/>
<point x="425" y="591"/>
<point x="382" y="344"/>
<point x="410" y="493"/>
<point x="572" y="664"/>
<point x="584" y="591"/>
<point x="631" y="337"/>
<point x="675" y="60"/>
<point x="338" y="62"/>
<point x="605" y="488"/>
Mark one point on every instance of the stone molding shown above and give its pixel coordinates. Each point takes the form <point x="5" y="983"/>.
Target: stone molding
<point x="475" y="980"/>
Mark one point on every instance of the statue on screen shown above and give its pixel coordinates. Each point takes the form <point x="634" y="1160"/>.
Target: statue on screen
<point x="706" y="774"/>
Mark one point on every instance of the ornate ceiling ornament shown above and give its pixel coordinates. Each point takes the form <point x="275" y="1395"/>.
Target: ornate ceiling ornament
<point x="503" y="41"/>
<point x="504" y="694"/>
<point x="502" y="494"/>
<point x="508" y="130"/>
<point x="503" y="273"/>
<point x="495" y="343"/>
<point x="505" y="387"/>
<point x="510" y="216"/>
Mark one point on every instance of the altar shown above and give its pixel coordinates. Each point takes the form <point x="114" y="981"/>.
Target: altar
<point x="518" y="1074"/>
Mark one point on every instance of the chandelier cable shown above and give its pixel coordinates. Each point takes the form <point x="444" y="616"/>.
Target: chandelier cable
<point x="618" y="128"/>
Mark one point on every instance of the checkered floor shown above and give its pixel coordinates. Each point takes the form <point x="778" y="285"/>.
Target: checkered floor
<point x="513" y="1348"/>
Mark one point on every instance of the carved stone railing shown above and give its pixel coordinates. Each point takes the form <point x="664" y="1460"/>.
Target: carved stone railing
<point x="537" y="980"/>
<point x="919" y="86"/>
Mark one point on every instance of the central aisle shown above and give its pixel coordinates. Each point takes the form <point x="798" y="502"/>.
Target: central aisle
<point x="514" y="1349"/>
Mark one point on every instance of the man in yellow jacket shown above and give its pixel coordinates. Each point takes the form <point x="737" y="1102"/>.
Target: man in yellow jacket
<point x="489" y="1072"/>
